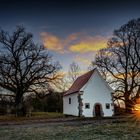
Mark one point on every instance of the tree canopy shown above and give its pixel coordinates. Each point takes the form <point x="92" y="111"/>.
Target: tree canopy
<point x="24" y="66"/>
<point x="120" y="62"/>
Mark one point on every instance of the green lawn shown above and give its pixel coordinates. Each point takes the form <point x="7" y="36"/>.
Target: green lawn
<point x="108" y="131"/>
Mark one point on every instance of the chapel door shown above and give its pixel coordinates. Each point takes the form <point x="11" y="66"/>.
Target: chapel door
<point x="97" y="110"/>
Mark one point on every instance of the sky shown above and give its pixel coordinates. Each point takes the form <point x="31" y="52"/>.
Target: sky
<point x="72" y="30"/>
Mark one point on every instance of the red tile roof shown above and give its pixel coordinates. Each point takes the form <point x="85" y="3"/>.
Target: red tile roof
<point x="79" y="83"/>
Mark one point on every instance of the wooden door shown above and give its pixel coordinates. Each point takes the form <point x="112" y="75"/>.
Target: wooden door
<point x="97" y="110"/>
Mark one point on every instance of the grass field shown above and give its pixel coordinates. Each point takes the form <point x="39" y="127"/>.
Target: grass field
<point x="35" y="116"/>
<point x="62" y="131"/>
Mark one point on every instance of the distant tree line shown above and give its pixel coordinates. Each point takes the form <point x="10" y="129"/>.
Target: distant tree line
<point x="53" y="102"/>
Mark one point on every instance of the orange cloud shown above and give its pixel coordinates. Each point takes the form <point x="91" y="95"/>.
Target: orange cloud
<point x="72" y="37"/>
<point x="75" y="42"/>
<point x="52" y="42"/>
<point x="89" y="44"/>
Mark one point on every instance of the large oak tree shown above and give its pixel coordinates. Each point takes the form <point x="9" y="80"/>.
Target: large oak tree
<point x="25" y="67"/>
<point x="120" y="62"/>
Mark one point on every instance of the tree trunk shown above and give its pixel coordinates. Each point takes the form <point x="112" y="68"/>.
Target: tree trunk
<point x="128" y="104"/>
<point x="19" y="107"/>
<point x="138" y="93"/>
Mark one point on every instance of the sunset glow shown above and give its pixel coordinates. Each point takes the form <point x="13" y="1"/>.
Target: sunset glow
<point x="89" y="44"/>
<point x="51" y="42"/>
<point x="70" y="30"/>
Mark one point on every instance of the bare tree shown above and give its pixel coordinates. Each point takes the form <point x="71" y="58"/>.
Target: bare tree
<point x="74" y="71"/>
<point x="120" y="63"/>
<point x="134" y="38"/>
<point x="24" y="66"/>
<point x="69" y="77"/>
<point x="63" y="84"/>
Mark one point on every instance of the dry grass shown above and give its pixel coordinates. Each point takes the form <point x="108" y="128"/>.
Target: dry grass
<point x="35" y="116"/>
<point x="129" y="130"/>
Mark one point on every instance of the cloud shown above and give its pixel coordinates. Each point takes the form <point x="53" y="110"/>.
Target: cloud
<point x="72" y="37"/>
<point x="73" y="43"/>
<point x="52" y="42"/>
<point x="89" y="44"/>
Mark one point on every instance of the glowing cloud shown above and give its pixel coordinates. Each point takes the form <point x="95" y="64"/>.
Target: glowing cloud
<point x="76" y="42"/>
<point x="89" y="44"/>
<point x="72" y="37"/>
<point x="56" y="44"/>
<point x="52" y="42"/>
